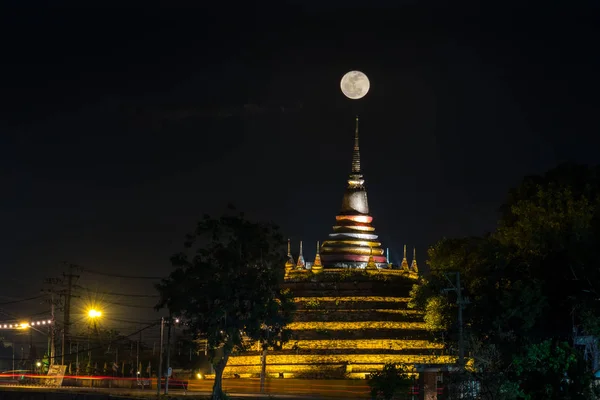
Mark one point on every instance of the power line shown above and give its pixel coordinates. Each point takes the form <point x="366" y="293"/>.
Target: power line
<point x="126" y="305"/>
<point x="10" y="315"/>
<point x="117" y="293"/>
<point x="114" y="341"/>
<point x="22" y="300"/>
<point x="130" y="295"/>
<point x="128" y="321"/>
<point x="93" y="271"/>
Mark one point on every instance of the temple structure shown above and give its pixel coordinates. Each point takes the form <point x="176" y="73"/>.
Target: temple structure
<point x="353" y="241"/>
<point x="352" y="313"/>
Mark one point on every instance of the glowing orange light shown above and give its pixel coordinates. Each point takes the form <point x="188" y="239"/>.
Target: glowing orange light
<point x="355" y="228"/>
<point x="356" y="218"/>
<point x="368" y="243"/>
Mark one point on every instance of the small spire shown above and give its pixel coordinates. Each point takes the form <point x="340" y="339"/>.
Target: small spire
<point x="317" y="266"/>
<point x="404" y="265"/>
<point x="356" y="153"/>
<point x="300" y="264"/>
<point x="413" y="266"/>
<point x="289" y="264"/>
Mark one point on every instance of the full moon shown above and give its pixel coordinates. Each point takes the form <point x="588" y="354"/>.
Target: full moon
<point x="355" y="85"/>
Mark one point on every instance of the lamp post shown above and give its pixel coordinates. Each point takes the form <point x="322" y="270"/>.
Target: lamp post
<point x="171" y="320"/>
<point x="93" y="315"/>
<point x="159" y="376"/>
<point x="263" y="369"/>
<point x="168" y="355"/>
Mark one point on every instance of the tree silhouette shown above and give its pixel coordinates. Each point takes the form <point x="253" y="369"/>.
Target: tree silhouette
<point x="227" y="288"/>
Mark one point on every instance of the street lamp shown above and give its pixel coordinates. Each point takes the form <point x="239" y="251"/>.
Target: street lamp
<point x="93" y="315"/>
<point x="160" y="359"/>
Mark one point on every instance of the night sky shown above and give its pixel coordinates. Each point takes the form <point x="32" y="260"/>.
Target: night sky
<point x="120" y="129"/>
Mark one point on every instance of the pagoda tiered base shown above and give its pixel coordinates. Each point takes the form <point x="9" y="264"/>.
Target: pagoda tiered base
<point x="348" y="329"/>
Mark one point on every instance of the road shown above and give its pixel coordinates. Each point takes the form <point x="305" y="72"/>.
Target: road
<point x="237" y="388"/>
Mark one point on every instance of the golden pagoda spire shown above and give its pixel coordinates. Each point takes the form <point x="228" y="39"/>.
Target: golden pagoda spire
<point x="413" y="266"/>
<point x="404" y="265"/>
<point x="289" y="264"/>
<point x="371" y="263"/>
<point x="353" y="239"/>
<point x="356" y="152"/>
<point x="300" y="264"/>
<point x="317" y="266"/>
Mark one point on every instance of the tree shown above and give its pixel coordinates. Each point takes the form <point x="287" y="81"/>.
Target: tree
<point x="533" y="280"/>
<point x="226" y="287"/>
<point x="552" y="370"/>
<point x="552" y="222"/>
<point x="389" y="383"/>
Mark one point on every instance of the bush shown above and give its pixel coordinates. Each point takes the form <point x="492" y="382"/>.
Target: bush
<point x="389" y="383"/>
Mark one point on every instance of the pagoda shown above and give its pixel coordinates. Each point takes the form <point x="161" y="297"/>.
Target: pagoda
<point x="352" y="308"/>
<point x="353" y="242"/>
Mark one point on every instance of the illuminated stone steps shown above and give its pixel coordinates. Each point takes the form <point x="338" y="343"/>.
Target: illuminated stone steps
<point x="386" y="311"/>
<point x="289" y="361"/>
<point x="382" y="344"/>
<point x="317" y="292"/>
<point x="359" y="306"/>
<point x="322" y="370"/>
<point x="360" y="325"/>
<point x="309" y="351"/>
<point x="351" y="299"/>
<point x="290" y="370"/>
<point x="353" y="315"/>
<point x="347" y="329"/>
<point x="393" y="334"/>
<point x="309" y="300"/>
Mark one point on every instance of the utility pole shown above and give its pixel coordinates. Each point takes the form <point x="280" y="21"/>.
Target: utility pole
<point x="52" y="350"/>
<point x="63" y="287"/>
<point x="137" y="358"/>
<point x="69" y="293"/>
<point x="263" y="368"/>
<point x="62" y="358"/>
<point x="263" y="359"/>
<point x="77" y="357"/>
<point x="160" y="360"/>
<point x="168" y="355"/>
<point x="456" y="287"/>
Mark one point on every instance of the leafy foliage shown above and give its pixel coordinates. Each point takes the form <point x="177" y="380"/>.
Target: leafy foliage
<point x="228" y="287"/>
<point x="532" y="282"/>
<point x="551" y="370"/>
<point x="390" y="383"/>
<point x="436" y="313"/>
